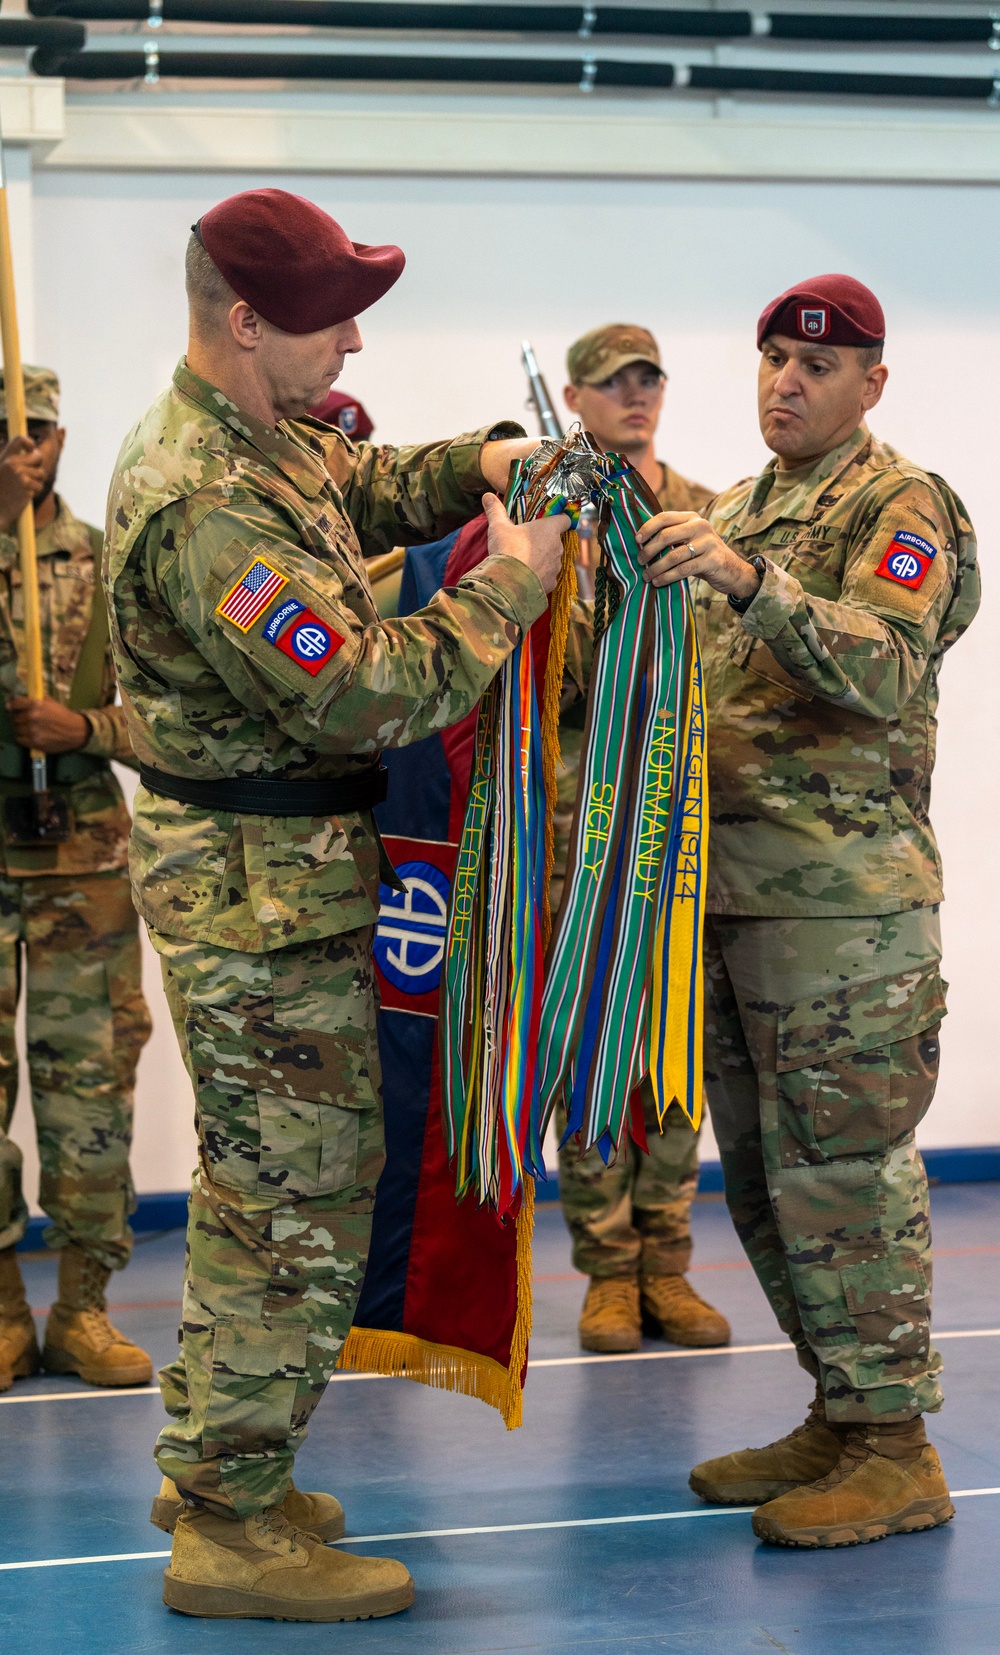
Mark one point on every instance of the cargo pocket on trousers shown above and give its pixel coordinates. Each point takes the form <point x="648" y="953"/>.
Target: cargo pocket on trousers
<point x="306" y="1148"/>
<point x="889" y="1301"/>
<point x="856" y="1069"/>
<point x="269" y="1122"/>
<point x="256" y="1371"/>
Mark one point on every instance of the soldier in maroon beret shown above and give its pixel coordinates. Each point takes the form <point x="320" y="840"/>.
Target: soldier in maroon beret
<point x="260" y="686"/>
<point x="829" y="588"/>
<point x="347" y="414"/>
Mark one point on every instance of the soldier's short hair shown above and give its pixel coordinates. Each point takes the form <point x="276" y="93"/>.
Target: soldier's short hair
<point x="209" y="294"/>
<point x="868" y="355"/>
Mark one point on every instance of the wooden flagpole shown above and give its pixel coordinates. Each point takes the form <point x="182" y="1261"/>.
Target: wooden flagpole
<point x="17" y="426"/>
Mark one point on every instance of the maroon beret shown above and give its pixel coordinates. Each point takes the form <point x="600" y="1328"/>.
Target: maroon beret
<point x="292" y="262"/>
<point x="347" y="413"/>
<point x="836" y="309"/>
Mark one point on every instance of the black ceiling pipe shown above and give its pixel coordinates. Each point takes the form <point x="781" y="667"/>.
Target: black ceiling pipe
<point x="57" y="32"/>
<point x="307" y="66"/>
<point x="94" y="65"/>
<point x="880" y="30"/>
<point x="659" y="22"/>
<point x="827" y="83"/>
<point x="401" y="14"/>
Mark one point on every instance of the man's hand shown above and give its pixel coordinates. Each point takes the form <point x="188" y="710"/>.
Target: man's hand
<point x="22" y="476"/>
<point x="676" y="545"/>
<point x="47" y="725"/>
<point x="538" y="543"/>
<point x="495" y="458"/>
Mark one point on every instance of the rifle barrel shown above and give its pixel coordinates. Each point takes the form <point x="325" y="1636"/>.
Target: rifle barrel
<point x="542" y="402"/>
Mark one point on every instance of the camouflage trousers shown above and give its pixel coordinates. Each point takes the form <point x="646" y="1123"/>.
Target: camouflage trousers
<point x="633" y="1216"/>
<point x="283" y="1053"/>
<point x="75" y="941"/>
<point x="821" y="1059"/>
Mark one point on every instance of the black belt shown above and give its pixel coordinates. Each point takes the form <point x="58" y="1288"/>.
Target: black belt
<point x="248" y="796"/>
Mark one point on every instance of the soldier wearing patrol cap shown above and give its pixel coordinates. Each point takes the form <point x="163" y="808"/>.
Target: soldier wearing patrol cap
<point x="67" y="921"/>
<point x="260" y="686"/>
<point x="829" y="589"/>
<point x="630" y="1222"/>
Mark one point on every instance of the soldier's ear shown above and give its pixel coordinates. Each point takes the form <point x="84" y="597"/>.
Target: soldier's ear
<point x="875" y="380"/>
<point x="246" y="327"/>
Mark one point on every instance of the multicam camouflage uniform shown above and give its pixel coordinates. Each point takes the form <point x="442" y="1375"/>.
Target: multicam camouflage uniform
<point x="69" y="908"/>
<point x="636" y="1213"/>
<point x="264" y="924"/>
<point x="823" y="948"/>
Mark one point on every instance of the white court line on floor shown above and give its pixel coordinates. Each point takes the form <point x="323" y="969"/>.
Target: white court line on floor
<point x="536" y="1362"/>
<point x="450" y="1534"/>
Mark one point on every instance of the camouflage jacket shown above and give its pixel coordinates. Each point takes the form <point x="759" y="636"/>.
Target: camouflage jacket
<point x="821" y="697"/>
<point x="206" y="504"/>
<point x="68" y="552"/>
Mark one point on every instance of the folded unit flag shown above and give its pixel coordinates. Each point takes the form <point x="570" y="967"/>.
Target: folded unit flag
<point x="481" y="1028"/>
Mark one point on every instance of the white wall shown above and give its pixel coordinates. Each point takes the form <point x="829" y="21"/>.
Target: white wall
<point x="493" y="259"/>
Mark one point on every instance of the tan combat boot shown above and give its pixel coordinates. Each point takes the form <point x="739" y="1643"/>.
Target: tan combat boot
<point x="78" y="1336"/>
<point x="610" y="1318"/>
<point x="19" y="1353"/>
<point x="888" y="1480"/>
<point x="318" y="1514"/>
<point x="672" y="1310"/>
<point x="753" y="1475"/>
<point x="260" y="1568"/>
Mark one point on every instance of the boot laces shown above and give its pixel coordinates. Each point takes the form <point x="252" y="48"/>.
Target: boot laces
<point x="273" y="1527"/>
<point x="855" y="1450"/>
<point x="615" y="1290"/>
<point x="93" y="1278"/>
<point x="98" y="1329"/>
<point x="613" y="1293"/>
<point x="674" y="1290"/>
<point x="816" y="1415"/>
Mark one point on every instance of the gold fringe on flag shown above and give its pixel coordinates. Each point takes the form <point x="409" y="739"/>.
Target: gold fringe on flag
<point x="447" y="1367"/>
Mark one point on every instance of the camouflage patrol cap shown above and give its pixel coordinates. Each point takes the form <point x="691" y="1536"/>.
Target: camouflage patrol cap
<point x="41" y="394"/>
<point x="598" y="355"/>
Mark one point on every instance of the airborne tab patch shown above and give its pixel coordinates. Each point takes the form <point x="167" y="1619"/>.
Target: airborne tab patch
<point x="300" y="634"/>
<point x="284" y="613"/>
<point x="907" y="559"/>
<point x="251" y="595"/>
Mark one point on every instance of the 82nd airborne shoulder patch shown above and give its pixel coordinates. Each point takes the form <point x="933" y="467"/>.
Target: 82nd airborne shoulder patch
<point x="301" y="635"/>
<point x="907" y="559"/>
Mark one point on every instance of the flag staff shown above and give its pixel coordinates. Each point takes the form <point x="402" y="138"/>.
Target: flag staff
<point x="47" y="817"/>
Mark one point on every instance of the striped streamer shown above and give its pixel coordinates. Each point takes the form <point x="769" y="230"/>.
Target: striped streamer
<point x="622" y="989"/>
<point x="623" y="993"/>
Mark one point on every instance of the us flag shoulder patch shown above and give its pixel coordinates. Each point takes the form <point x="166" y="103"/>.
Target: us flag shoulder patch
<point x="250" y="596"/>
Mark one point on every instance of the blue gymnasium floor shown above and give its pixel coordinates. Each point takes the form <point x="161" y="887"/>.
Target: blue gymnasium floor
<point x="544" y="1547"/>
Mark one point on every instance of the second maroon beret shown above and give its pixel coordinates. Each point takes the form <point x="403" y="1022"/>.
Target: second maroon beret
<point x="292" y="262"/>
<point x="836" y="310"/>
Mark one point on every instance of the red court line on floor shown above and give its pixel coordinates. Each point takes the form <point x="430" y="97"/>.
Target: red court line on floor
<point x="744" y="1264"/>
<point x="567" y="1275"/>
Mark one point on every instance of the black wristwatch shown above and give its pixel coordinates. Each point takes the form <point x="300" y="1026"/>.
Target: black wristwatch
<point x="741" y="605"/>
